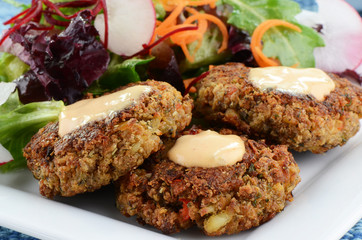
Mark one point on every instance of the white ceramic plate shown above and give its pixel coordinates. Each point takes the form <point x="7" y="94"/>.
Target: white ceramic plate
<point x="327" y="203"/>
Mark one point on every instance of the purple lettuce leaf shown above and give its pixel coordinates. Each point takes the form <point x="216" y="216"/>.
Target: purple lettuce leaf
<point x="352" y="75"/>
<point x="165" y="67"/>
<point x="62" y="65"/>
<point x="239" y="45"/>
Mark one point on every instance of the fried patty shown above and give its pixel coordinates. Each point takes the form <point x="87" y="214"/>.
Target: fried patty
<point x="219" y="200"/>
<point x="101" y="151"/>
<point x="301" y="122"/>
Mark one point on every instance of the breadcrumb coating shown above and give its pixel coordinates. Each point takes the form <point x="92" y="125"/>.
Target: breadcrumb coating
<point x="100" y="152"/>
<point x="302" y="122"/>
<point x="220" y="200"/>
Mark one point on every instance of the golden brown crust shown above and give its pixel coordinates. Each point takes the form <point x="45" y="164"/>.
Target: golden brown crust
<point x="171" y="197"/>
<point x="302" y="122"/>
<point x="100" y="152"/>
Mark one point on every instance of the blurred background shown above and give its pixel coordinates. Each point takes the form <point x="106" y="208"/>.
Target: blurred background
<point x="357" y="4"/>
<point x="7" y="10"/>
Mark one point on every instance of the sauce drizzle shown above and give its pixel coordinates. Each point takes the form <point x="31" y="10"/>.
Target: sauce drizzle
<point x="82" y="112"/>
<point x="207" y="149"/>
<point x="294" y="81"/>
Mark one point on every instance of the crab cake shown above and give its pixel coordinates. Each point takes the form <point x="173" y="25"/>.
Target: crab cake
<point x="91" y="155"/>
<point x="301" y="121"/>
<point x="223" y="199"/>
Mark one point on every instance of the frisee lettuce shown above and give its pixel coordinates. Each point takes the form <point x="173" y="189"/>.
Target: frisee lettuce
<point x="289" y="46"/>
<point x="18" y="123"/>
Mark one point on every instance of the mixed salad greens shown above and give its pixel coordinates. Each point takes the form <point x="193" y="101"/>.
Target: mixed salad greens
<point x="48" y="61"/>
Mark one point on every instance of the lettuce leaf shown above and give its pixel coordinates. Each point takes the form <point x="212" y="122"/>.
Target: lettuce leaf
<point x="62" y="65"/>
<point x="11" y="67"/>
<point x="288" y="46"/>
<point x="207" y="53"/>
<point x="18" y="123"/>
<point x="119" y="73"/>
<point x="160" y="11"/>
<point x="291" y="47"/>
<point x="17" y="4"/>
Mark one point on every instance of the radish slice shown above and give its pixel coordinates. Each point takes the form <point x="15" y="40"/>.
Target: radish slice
<point x="358" y="69"/>
<point x="342" y="34"/>
<point x="5" y="90"/>
<point x="131" y="24"/>
<point x="5" y="156"/>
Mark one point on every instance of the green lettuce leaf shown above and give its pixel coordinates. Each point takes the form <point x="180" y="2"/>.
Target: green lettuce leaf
<point x="17" y="4"/>
<point x="66" y="11"/>
<point x="11" y="67"/>
<point x="207" y="53"/>
<point x="18" y="123"/>
<point x="120" y="73"/>
<point x="160" y="10"/>
<point x="289" y="46"/>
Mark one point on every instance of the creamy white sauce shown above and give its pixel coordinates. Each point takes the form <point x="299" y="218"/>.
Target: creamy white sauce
<point x="293" y="80"/>
<point x="207" y="149"/>
<point x="80" y="113"/>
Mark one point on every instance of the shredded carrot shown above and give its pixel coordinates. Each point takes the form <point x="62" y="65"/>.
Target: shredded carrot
<point x="172" y="18"/>
<point x="170" y="5"/>
<point x="158" y="23"/>
<point x="163" y="32"/>
<point x="187" y="83"/>
<point x="218" y="22"/>
<point x="192" y="36"/>
<point x="211" y="3"/>
<point x="256" y="45"/>
<point x="186" y="52"/>
<point x="183" y="38"/>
